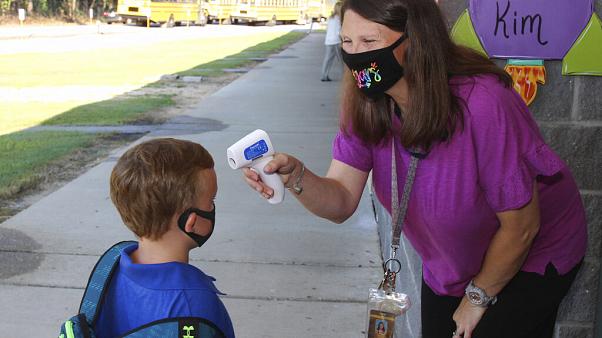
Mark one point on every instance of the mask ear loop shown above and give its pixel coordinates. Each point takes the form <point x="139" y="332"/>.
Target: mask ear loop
<point x="184" y="218"/>
<point x="208" y="215"/>
<point x="399" y="41"/>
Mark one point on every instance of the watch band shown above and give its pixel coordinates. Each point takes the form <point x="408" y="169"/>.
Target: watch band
<point x="477" y="296"/>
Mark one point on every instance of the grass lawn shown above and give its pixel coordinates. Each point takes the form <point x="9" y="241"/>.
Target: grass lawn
<point x="134" y="66"/>
<point x="24" y="155"/>
<point x="238" y="60"/>
<point x="15" y="116"/>
<point x="266" y="48"/>
<point x="111" y="112"/>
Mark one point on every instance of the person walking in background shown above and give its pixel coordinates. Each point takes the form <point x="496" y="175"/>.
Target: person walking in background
<point x="332" y="41"/>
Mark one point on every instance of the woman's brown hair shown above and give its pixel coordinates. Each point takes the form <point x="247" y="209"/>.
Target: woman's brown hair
<point x="431" y="59"/>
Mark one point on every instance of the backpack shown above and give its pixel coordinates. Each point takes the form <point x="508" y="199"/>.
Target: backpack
<point x="80" y="326"/>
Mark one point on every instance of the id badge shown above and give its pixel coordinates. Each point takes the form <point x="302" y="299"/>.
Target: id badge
<point x="383" y="309"/>
<point x="382" y="324"/>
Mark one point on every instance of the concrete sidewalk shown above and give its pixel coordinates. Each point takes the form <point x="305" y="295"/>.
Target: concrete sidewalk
<point x="287" y="273"/>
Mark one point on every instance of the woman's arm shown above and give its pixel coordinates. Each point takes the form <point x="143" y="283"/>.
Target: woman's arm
<point x="504" y="258"/>
<point x="509" y="246"/>
<point x="334" y="197"/>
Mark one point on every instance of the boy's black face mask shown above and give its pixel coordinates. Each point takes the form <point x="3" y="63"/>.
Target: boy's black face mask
<point x="209" y="215"/>
<point x="377" y="70"/>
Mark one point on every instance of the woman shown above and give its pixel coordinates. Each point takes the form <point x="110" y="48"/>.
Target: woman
<point x="332" y="41"/>
<point x="493" y="212"/>
<point x="380" y="328"/>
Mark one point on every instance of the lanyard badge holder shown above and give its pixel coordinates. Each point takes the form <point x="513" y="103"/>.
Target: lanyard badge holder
<point x="384" y="303"/>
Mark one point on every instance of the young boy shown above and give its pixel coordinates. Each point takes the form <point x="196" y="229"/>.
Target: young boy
<point x="164" y="190"/>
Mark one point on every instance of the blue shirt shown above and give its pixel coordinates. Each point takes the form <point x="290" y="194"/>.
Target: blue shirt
<point x="142" y="293"/>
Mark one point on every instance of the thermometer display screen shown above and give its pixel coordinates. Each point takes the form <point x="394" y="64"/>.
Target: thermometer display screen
<point x="256" y="150"/>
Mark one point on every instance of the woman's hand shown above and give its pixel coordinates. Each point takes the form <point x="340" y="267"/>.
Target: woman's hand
<point x="505" y="256"/>
<point x="283" y="164"/>
<point x="467" y="316"/>
<point x="334" y="197"/>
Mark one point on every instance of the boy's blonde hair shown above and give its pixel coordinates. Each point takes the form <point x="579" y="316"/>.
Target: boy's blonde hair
<point x="156" y="180"/>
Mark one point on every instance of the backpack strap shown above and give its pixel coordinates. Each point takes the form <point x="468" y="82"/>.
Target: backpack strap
<point x="99" y="280"/>
<point x="180" y="327"/>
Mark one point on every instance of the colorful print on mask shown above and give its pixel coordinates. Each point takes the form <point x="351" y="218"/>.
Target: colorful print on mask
<point x="375" y="71"/>
<point x="365" y="77"/>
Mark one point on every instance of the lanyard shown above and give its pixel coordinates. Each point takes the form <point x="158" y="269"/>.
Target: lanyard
<point x="398" y="210"/>
<point x="398" y="214"/>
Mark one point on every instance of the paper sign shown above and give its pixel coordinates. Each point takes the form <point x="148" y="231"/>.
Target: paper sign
<point x="533" y="29"/>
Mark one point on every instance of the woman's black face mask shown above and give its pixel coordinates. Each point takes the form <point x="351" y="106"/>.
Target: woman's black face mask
<point x="375" y="71"/>
<point x="209" y="215"/>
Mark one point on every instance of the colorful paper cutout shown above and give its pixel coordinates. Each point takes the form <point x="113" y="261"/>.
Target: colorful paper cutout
<point x="526" y="75"/>
<point x="527" y="32"/>
<point x="585" y="57"/>
<point x="534" y="29"/>
<point x="463" y="33"/>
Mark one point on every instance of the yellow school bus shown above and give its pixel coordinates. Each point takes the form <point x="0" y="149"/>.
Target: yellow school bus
<point x="174" y="12"/>
<point x="273" y="11"/>
<point x="219" y="10"/>
<point x="317" y="9"/>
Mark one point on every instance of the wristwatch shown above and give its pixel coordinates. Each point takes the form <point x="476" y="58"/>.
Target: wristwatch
<point x="297" y="188"/>
<point x="477" y="296"/>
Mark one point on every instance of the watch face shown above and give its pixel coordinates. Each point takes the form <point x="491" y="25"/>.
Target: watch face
<point x="475" y="297"/>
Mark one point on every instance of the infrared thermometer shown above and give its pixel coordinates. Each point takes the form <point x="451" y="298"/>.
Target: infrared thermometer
<point x="255" y="151"/>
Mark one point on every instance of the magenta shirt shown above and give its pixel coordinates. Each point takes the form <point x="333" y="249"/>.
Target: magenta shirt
<point x="487" y="167"/>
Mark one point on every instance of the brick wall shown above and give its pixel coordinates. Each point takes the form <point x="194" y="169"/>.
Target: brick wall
<point x="568" y="111"/>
